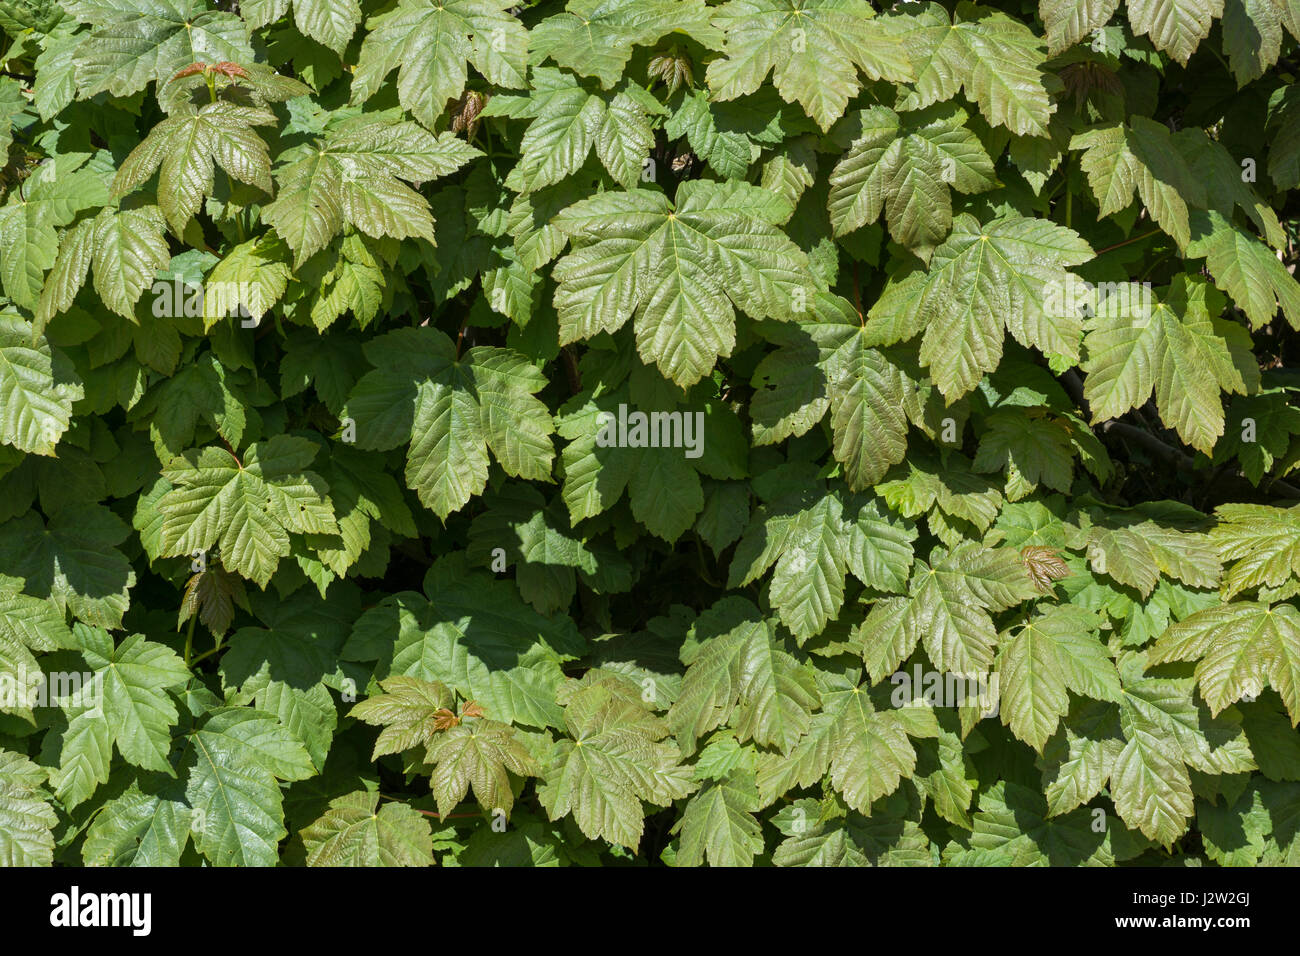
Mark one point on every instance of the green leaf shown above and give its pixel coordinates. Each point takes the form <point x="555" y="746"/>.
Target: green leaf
<point x="1003" y="275"/>
<point x="718" y="823"/>
<point x="431" y="45"/>
<point x="451" y="409"/>
<point x="996" y="61"/>
<point x="356" y="831"/>
<point x="614" y="758"/>
<point x="246" y="507"/>
<point x="681" y="269"/>
<point x="813" y="50"/>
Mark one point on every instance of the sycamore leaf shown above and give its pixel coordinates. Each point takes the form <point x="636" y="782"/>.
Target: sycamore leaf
<point x="1050" y="653"/>
<point x="234" y="762"/>
<point x="1174" y="26"/>
<point x="681" y="269"/>
<point x="133" y="42"/>
<point x="1141" y="157"/>
<point x="147" y="826"/>
<point x="352" y="176"/>
<point x="866" y="752"/>
<point x="185" y="147"/>
<point x="27" y="820"/>
<point x="1069" y="21"/>
<point x="431" y="43"/>
<point x="1237" y="648"/>
<point x="996" y="60"/>
<point x="614" y="758"/>
<point x="329" y="22"/>
<point x="451" y="409"/>
<point x="37" y="389"/>
<point x="904" y="165"/>
<point x="983" y="280"/>
<point x="742" y="674"/>
<point x="718" y="824"/>
<point x="477" y="753"/>
<point x="248" y="507"/>
<point x="73" y="560"/>
<point x="356" y="831"/>
<point x="569" y="122"/>
<point x="476" y="637"/>
<point x="813" y="49"/>
<point x="1246" y="269"/>
<point x="595" y="37"/>
<point x="1262" y="542"/>
<point x="1138" y="342"/>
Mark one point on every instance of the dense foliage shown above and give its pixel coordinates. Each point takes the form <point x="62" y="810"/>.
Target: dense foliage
<point x="638" y="431"/>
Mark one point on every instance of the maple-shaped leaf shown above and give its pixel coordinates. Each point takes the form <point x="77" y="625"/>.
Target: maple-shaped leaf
<point x="431" y="43"/>
<point x="1045" y="565"/>
<point x="1050" y="653"/>
<point x="233" y="763"/>
<point x="662" y="482"/>
<point x="185" y="147"/>
<point x="1135" y="550"/>
<point x="72" y="560"/>
<point x="539" y="546"/>
<point x="251" y="277"/>
<point x="451" y="409"/>
<point x="614" y="758"/>
<point x="357" y="831"/>
<point x="891" y="836"/>
<point x="248" y="507"/>
<point x="947" y="611"/>
<point x="408" y="710"/>
<point x="1238" y="647"/>
<point x="718" y="824"/>
<point x="995" y="60"/>
<point x="742" y="674"/>
<point x="568" y="122"/>
<point x="352" y="176"/>
<point x="813" y="49"/>
<point x="1175" y="26"/>
<point x="476" y="637"/>
<point x="866" y="752"/>
<point x="329" y="22"/>
<point x="1261" y="542"/>
<point x="905" y="165"/>
<point x="37" y="389"/>
<point x="1246" y="269"/>
<point x="147" y="825"/>
<point x="1014" y="825"/>
<point x="1069" y="21"/>
<point x="51" y="196"/>
<point x="27" y="819"/>
<point x="135" y="41"/>
<point x="127" y="705"/>
<point x="983" y="281"/>
<point x="680" y="268"/>
<point x="126" y="249"/>
<point x="1141" y="156"/>
<point x="595" y="37"/>
<point x="481" y="754"/>
<point x="1172" y="343"/>
<point x="212" y="594"/>
<point x="814" y="540"/>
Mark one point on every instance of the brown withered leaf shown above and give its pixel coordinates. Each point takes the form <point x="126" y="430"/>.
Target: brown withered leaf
<point x="471" y="709"/>
<point x="444" y="719"/>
